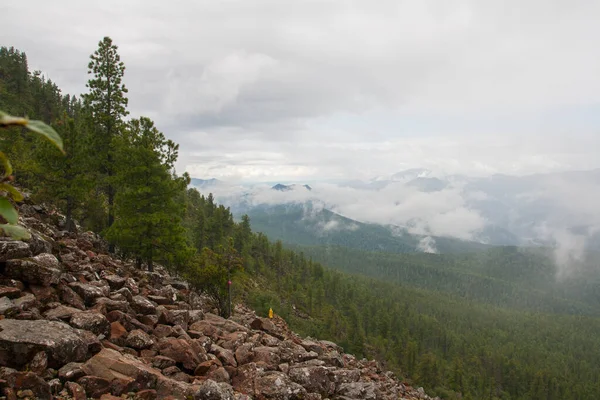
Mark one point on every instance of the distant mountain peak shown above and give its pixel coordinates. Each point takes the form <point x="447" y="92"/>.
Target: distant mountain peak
<point x="204" y="182"/>
<point x="286" y="188"/>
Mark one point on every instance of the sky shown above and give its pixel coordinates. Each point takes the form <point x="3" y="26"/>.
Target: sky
<point x="315" y="90"/>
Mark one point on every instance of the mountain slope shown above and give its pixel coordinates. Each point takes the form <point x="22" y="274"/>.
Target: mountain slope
<point x="307" y="224"/>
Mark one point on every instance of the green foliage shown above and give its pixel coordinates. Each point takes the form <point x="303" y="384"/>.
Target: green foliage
<point x="7" y="210"/>
<point x="148" y="223"/>
<point x="106" y="104"/>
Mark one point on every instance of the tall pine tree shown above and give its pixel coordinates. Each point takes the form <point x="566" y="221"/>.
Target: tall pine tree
<point x="107" y="104"/>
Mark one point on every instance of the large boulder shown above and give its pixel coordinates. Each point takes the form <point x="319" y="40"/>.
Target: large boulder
<point x="116" y="367"/>
<point x="314" y="379"/>
<point x="21" y="340"/>
<point x="32" y="272"/>
<point x="277" y="386"/>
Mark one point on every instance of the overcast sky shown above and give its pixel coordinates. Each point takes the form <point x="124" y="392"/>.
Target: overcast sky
<point x="307" y="90"/>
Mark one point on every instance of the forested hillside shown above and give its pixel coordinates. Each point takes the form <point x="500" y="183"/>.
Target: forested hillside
<point x="518" y="278"/>
<point x="118" y="178"/>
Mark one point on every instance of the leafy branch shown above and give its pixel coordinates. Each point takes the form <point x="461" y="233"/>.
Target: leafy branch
<point x="7" y="210"/>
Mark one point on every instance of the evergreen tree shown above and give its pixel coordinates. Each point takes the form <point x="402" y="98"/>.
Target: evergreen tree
<point x="149" y="219"/>
<point x="107" y="105"/>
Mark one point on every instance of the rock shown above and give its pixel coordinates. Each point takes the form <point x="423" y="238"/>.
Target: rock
<point x="118" y="333"/>
<point x="39" y="363"/>
<point x="160" y="300"/>
<point x="224" y="355"/>
<point x="139" y="339"/>
<point x="277" y="385"/>
<point x="94" y="386"/>
<point x="219" y="375"/>
<point x="162" y="331"/>
<point x="11" y="249"/>
<point x="75" y="391"/>
<point x="162" y="362"/>
<point x="266" y="325"/>
<point x="111" y="305"/>
<point x="10" y="292"/>
<point x="71" y="371"/>
<point x="206" y="328"/>
<point x="7" y="306"/>
<point x="55" y="386"/>
<point x="21" y="340"/>
<point x="146" y="394"/>
<point x="211" y="390"/>
<point x="206" y="366"/>
<point x="142" y="305"/>
<point x="268" y="355"/>
<point x="25" y="302"/>
<point x="91" y="321"/>
<point x="26" y="381"/>
<point x="125" y="293"/>
<point x="232" y="341"/>
<point x="225" y="324"/>
<point x="68" y="295"/>
<point x="358" y="390"/>
<point x="47" y="260"/>
<point x="244" y="353"/>
<point x="29" y="271"/>
<point x="314" y="380"/>
<point x="110" y="365"/>
<point x="181" y="351"/>
<point x="87" y="292"/>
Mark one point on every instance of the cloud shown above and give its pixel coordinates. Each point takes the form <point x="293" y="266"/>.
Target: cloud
<point x="341" y="89"/>
<point x="427" y="245"/>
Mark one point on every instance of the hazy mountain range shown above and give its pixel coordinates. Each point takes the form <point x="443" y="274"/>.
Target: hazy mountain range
<point x="556" y="209"/>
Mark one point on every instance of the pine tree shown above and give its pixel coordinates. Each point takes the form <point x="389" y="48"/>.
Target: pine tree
<point x="107" y="105"/>
<point x="148" y="224"/>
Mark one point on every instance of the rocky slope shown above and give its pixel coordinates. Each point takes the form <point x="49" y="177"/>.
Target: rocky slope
<point x="76" y="323"/>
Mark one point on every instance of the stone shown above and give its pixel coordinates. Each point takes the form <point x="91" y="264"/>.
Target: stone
<point x="71" y="372"/>
<point x="277" y="385"/>
<point x="11" y="249"/>
<point x="94" y="386"/>
<point x="118" y="333"/>
<point x="39" y="363"/>
<point x="160" y="300"/>
<point x="142" y="305"/>
<point x="91" y="321"/>
<point x="68" y="296"/>
<point x="244" y="353"/>
<point x="206" y="328"/>
<point x="7" y="306"/>
<point x="87" y="292"/>
<point x="268" y="355"/>
<point x="182" y="352"/>
<point x="9" y="292"/>
<point x="219" y="375"/>
<point x="75" y="391"/>
<point x="266" y="325"/>
<point x="314" y="380"/>
<point x="110" y="365"/>
<point x="139" y="339"/>
<point x="224" y="355"/>
<point x="115" y="282"/>
<point x="211" y="390"/>
<point x="204" y="367"/>
<point x="146" y="394"/>
<point x="162" y="362"/>
<point x="162" y="331"/>
<point x="29" y="271"/>
<point x="111" y="305"/>
<point x="29" y="382"/>
<point x="21" y="340"/>
<point x="358" y="390"/>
